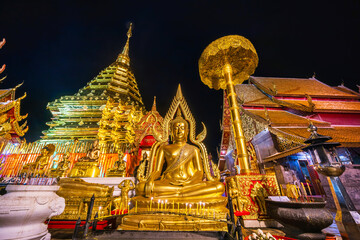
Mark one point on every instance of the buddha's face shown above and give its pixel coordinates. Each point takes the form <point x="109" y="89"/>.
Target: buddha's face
<point x="179" y="131"/>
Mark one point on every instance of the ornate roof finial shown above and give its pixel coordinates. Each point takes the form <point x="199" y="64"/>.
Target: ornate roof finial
<point x="153" y="109"/>
<point x="124" y="55"/>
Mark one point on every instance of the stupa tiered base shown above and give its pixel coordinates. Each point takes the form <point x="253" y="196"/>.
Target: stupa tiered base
<point x="176" y="214"/>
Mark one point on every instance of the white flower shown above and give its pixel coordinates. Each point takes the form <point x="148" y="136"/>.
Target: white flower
<point x="260" y="232"/>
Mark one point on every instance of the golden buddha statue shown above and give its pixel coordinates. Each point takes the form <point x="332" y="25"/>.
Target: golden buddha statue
<point x="122" y="202"/>
<point x="38" y="168"/>
<point x="240" y="203"/>
<point x="178" y="178"/>
<point x="183" y="176"/>
<point x="258" y="194"/>
<point x="62" y="167"/>
<point x="119" y="168"/>
<point x="87" y="166"/>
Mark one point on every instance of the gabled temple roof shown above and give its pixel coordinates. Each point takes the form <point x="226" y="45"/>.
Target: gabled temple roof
<point x="283" y="118"/>
<point x="347" y="136"/>
<point x="298" y="87"/>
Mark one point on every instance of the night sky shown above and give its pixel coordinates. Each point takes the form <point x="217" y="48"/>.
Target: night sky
<point x="56" y="47"/>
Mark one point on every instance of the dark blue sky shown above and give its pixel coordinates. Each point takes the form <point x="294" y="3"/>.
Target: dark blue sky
<point x="56" y="47"/>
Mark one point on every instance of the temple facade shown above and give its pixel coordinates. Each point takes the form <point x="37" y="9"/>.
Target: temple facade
<point x="276" y="113"/>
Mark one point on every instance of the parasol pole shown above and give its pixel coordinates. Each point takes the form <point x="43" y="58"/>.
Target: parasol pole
<point x="240" y="141"/>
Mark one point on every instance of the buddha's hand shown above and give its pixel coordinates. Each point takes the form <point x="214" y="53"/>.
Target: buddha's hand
<point x="149" y="186"/>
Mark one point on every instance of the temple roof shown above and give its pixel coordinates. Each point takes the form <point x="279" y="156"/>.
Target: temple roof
<point x="283" y="118"/>
<point x="347" y="136"/>
<point x="299" y="87"/>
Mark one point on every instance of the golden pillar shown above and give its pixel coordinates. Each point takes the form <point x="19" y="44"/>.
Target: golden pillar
<point x="225" y="62"/>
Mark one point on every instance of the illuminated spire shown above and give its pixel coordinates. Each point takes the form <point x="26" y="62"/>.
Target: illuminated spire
<point x="154" y="105"/>
<point x="124" y="55"/>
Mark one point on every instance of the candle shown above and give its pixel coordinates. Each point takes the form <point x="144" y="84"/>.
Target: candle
<point x="302" y="185"/>
<point x="197" y="208"/>
<point x="178" y="207"/>
<point x="158" y="205"/>
<point x="136" y="206"/>
<point x="151" y="202"/>
<point x="190" y="208"/>
<point x="186" y="208"/>
<point x="203" y="210"/>
<point x="128" y="207"/>
<point x="162" y="204"/>
<point x="100" y="211"/>
<point x="308" y="185"/>
<point x="173" y="206"/>
<point x="165" y="204"/>
<point x="281" y="191"/>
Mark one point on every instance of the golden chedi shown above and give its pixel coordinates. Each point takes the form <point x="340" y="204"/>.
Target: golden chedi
<point x="88" y="166"/>
<point x="178" y="192"/>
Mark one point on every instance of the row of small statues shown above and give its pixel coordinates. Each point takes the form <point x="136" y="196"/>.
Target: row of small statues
<point x="87" y="166"/>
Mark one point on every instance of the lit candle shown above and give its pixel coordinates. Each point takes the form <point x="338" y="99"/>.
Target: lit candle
<point x="100" y="211"/>
<point x="165" y="204"/>
<point x="190" y="208"/>
<point x="186" y="208"/>
<point x="162" y="204"/>
<point x="308" y="185"/>
<point x="302" y="185"/>
<point x="281" y="191"/>
<point x="151" y="202"/>
<point x="203" y="210"/>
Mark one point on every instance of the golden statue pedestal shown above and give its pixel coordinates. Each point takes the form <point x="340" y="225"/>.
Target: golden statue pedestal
<point x="176" y="214"/>
<point x="85" y="169"/>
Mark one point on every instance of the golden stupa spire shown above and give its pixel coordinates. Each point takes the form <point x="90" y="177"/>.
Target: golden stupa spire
<point x="124" y="55"/>
<point x="153" y="109"/>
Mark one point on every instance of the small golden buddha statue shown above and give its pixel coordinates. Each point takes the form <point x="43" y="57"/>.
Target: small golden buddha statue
<point x="258" y="194"/>
<point x="119" y="168"/>
<point x="62" y="167"/>
<point x="240" y="203"/>
<point x="122" y="202"/>
<point x="38" y="167"/>
<point x="87" y="166"/>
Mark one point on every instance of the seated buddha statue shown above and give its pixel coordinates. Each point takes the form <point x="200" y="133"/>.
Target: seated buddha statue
<point x="38" y="167"/>
<point x="119" y="168"/>
<point x="62" y="167"/>
<point x="177" y="179"/>
<point x="184" y="173"/>
<point x="87" y="166"/>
